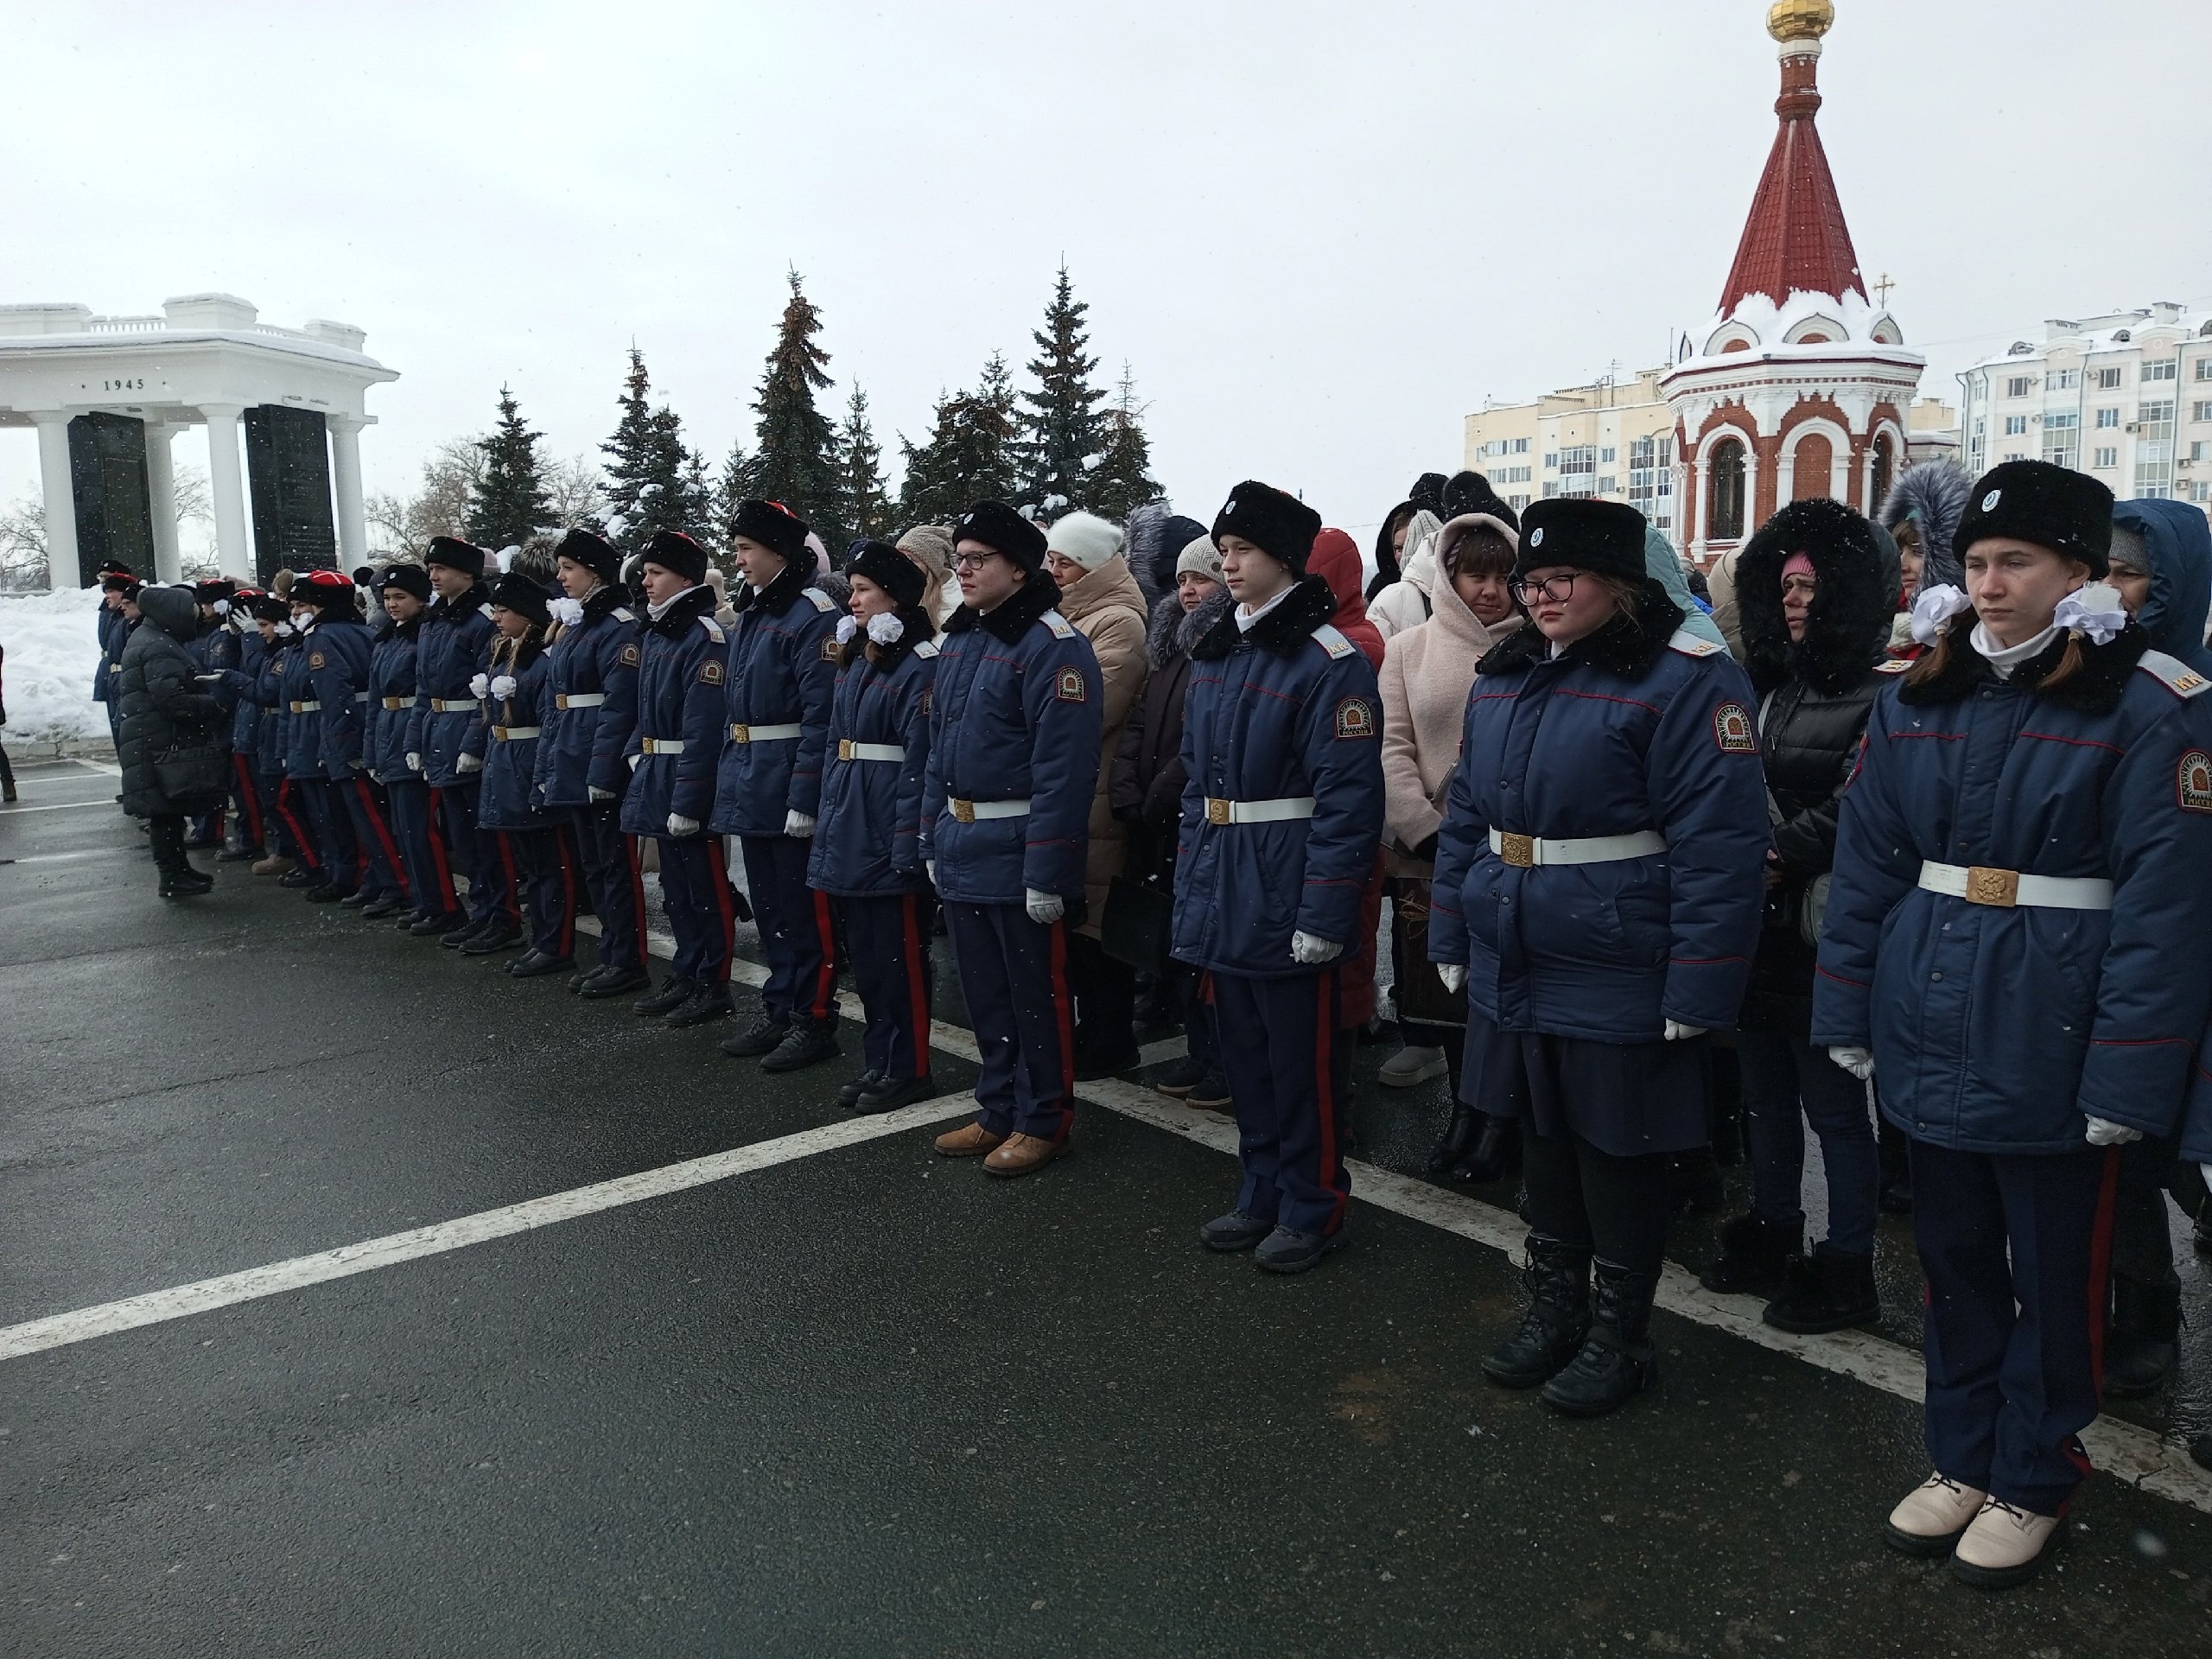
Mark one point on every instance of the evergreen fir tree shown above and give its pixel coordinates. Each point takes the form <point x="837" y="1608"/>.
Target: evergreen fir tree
<point x="969" y="453"/>
<point x="1063" y="428"/>
<point x="509" y="503"/>
<point x="647" y="486"/>
<point x="1122" y="481"/>
<point x="863" y="503"/>
<point x="732" y="485"/>
<point x="795" y="456"/>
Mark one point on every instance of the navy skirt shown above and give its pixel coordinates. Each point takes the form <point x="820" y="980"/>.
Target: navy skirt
<point x="1627" y="1099"/>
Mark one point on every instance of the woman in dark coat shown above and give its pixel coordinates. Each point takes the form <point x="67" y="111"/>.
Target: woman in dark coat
<point x="1814" y="594"/>
<point x="164" y="709"/>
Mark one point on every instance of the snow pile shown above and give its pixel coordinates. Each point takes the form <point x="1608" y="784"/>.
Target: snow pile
<point x="53" y="647"/>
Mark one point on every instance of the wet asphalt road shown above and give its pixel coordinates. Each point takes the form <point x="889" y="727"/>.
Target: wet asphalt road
<point x="862" y="1402"/>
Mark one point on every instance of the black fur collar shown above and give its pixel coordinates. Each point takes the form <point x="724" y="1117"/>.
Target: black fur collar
<point x="2096" y="688"/>
<point x="687" y="608"/>
<point x="1627" y="645"/>
<point x="1282" y="630"/>
<point x="779" y="595"/>
<point x="605" y="601"/>
<point x="1014" y="615"/>
<point x="460" y="610"/>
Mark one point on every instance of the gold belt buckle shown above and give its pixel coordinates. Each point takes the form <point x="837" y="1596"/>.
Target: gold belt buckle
<point x="740" y="733"/>
<point x="649" y="744"/>
<point x="1217" y="810"/>
<point x="964" y="812"/>
<point x="844" y="748"/>
<point x="1519" y="851"/>
<point x="1988" y="887"/>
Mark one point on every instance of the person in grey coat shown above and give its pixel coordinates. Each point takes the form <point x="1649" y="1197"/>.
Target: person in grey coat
<point x="166" y="714"/>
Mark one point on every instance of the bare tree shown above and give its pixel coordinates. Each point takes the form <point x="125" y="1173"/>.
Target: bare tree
<point x="22" y="545"/>
<point x="440" y="507"/>
<point x="577" y="490"/>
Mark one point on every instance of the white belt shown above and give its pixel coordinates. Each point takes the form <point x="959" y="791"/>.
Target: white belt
<point x="849" y="750"/>
<point x="1980" y="884"/>
<point x="1526" y="852"/>
<point x="661" y="745"/>
<point x="455" y="705"/>
<point x="305" y="707"/>
<point x="360" y="696"/>
<point x="509" y="734"/>
<point x="763" y="734"/>
<point x="971" y="812"/>
<point x="579" y="699"/>
<point x="1281" y="811"/>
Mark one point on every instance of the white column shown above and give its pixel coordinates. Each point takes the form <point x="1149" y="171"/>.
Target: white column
<point x="61" y="504"/>
<point x="223" y="486"/>
<point x="160" y="497"/>
<point x="346" y="484"/>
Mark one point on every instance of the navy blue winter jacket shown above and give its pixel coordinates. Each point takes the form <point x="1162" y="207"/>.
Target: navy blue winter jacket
<point x="595" y="661"/>
<point x="1015" y="715"/>
<point x="511" y="761"/>
<point x="241" y="689"/>
<point x="391" y="702"/>
<point x="1290" y="710"/>
<point x="1997" y="1029"/>
<point x="302" y="726"/>
<point x="338" y="650"/>
<point x="868" y="841"/>
<point x="783" y="670"/>
<point x="683" y="662"/>
<point x="114" y="630"/>
<point x="454" y="647"/>
<point x="1635" y="727"/>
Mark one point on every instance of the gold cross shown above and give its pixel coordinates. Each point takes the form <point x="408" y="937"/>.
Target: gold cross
<point x="1882" y="290"/>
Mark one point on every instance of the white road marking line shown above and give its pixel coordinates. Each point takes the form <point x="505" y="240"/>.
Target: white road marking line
<point x="61" y="806"/>
<point x="183" y="1300"/>
<point x="105" y="768"/>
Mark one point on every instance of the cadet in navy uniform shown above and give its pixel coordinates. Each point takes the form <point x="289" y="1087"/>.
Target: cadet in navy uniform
<point x="1281" y="818"/>
<point x="1014" y="737"/>
<point x="431" y="905"/>
<point x="448" y="737"/>
<point x="683" y="664"/>
<point x="2013" y="948"/>
<point x="338" y="668"/>
<point x="867" y="848"/>
<point x="317" y="817"/>
<point x="592" y="669"/>
<point x="117" y="587"/>
<point x="213" y="649"/>
<point x="291" y="858"/>
<point x="239" y="688"/>
<point x="783" y="670"/>
<point x="1599" y="893"/>
<point x="520" y="693"/>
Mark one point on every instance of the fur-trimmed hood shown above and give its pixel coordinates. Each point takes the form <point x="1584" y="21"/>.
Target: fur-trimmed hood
<point x="1014" y="615"/>
<point x="2095" y="689"/>
<point x="2176" y="551"/>
<point x="1848" y="630"/>
<point x="1172" y="630"/>
<point x="1933" y="494"/>
<point x="1627" y="645"/>
<point x="1282" y="630"/>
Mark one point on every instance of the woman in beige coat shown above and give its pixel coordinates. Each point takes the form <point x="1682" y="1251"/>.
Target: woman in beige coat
<point x="1100" y="597"/>
<point x="1427" y="675"/>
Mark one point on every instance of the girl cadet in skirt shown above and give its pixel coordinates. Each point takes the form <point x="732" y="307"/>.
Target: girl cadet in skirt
<point x="518" y="693"/>
<point x="1597" y="893"/>
<point x="868" y="853"/>
<point x="2013" y="949"/>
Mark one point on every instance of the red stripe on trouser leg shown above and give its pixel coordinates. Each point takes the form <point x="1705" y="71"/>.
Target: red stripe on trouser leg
<point x="917" y="989"/>
<point x="825" y="982"/>
<point x="434" y="821"/>
<point x="638" y="896"/>
<point x="248" y="799"/>
<point x="308" y="856"/>
<point x="1325" y="1091"/>
<point x="720" y="879"/>
<point x="392" y="860"/>
<point x="507" y="864"/>
<point x="568" y="890"/>
<point x="2100" y="1270"/>
<point x="1064" y="1016"/>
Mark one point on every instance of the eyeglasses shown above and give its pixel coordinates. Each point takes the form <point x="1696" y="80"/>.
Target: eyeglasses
<point x="1557" y="589"/>
<point x="974" y="560"/>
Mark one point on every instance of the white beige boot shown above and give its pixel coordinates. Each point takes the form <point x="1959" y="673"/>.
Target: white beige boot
<point x="2005" y="1546"/>
<point x="1932" y="1516"/>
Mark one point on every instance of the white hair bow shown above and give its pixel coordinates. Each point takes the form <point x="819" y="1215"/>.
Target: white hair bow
<point x="2095" y="610"/>
<point x="503" y="686"/>
<point x="479" y="686"/>
<point x="847" y="627"/>
<point x="566" y="612"/>
<point x="1933" y="610"/>
<point x="885" y="627"/>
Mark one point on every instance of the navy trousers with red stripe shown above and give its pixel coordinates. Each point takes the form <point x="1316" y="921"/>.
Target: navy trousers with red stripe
<point x="695" y="891"/>
<point x="548" y="858"/>
<point x="2016" y="1249"/>
<point x="796" y="934"/>
<point x="1013" y="977"/>
<point x="245" y="799"/>
<point x="888" y="939"/>
<point x="485" y="856"/>
<point x="421" y="847"/>
<point x="296" y="822"/>
<point x="609" y="862"/>
<point x="331" y="828"/>
<point x="1288" y="1070"/>
<point x="383" y="874"/>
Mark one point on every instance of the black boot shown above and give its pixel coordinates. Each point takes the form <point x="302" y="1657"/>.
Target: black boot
<point x="807" y="1042"/>
<point x="889" y="1094"/>
<point x="1497" y="1151"/>
<point x="763" y="1036"/>
<point x="1826" y="1291"/>
<point x="1616" y="1362"/>
<point x="614" y="982"/>
<point x="1551" y="1331"/>
<point x="673" y="994"/>
<point x="461" y="936"/>
<point x="709" y="1001"/>
<point x="186" y="883"/>
<point x="849" y="1091"/>
<point x="2146" y="1338"/>
<point x="1458" y="1141"/>
<point x="1754" y="1256"/>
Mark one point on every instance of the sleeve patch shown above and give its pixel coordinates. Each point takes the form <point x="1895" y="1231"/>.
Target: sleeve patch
<point x="829" y="647"/>
<point x="710" y="671"/>
<point x="2193" y="782"/>
<point x="1070" y="687"/>
<point x="1731" y="730"/>
<point x="1355" y="718"/>
<point x="315" y="661"/>
<point x="629" y="656"/>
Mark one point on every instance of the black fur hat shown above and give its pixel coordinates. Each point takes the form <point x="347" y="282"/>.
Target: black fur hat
<point x="889" y="569"/>
<point x="408" y="579"/>
<point x="267" y="607"/>
<point x="582" y="547"/>
<point x="673" y="551"/>
<point x="772" y="524"/>
<point x="2056" y="507"/>
<point x="327" y="590"/>
<point x="206" y="592"/>
<point x="1280" y="525"/>
<point x="1000" y="528"/>
<point x="517" y="591"/>
<point x="456" y="555"/>
<point x="1470" y="492"/>
<point x="1428" y="494"/>
<point x="1603" y="538"/>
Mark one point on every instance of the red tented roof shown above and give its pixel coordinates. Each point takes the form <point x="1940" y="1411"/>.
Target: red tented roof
<point x="1795" y="237"/>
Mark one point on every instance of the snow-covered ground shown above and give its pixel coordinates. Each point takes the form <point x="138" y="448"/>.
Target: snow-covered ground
<point x="53" y="647"/>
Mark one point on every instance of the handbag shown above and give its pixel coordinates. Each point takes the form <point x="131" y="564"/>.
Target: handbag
<point x="1419" y="992"/>
<point x="1137" y="924"/>
<point x="192" y="778"/>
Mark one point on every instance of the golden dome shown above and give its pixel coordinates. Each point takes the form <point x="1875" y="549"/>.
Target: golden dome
<point x="1800" y="19"/>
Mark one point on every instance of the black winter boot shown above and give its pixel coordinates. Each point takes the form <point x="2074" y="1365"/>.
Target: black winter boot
<point x="1825" y="1292"/>
<point x="806" y="1043"/>
<point x="1457" y="1141"/>
<point x="1496" y="1153"/>
<point x="1558" y="1280"/>
<point x="673" y="994"/>
<point x="1754" y="1256"/>
<point x="2144" y="1339"/>
<point x="1616" y="1362"/>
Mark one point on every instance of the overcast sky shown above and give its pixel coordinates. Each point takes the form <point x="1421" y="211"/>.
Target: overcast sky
<point x="1319" y="233"/>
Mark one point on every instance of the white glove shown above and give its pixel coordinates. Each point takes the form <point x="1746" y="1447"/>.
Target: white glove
<point x="2102" y="1132"/>
<point x="799" y="825"/>
<point x="1312" y="952"/>
<point x="634" y="760"/>
<point x="468" y="763"/>
<point x="414" y="760"/>
<point x="503" y="686"/>
<point x="680" y="825"/>
<point x="1677" y="1032"/>
<point x="1454" y="975"/>
<point x="480" y="687"/>
<point x="283" y="630"/>
<point x="1046" y="907"/>
<point x="1857" y="1061"/>
<point x="929" y="868"/>
<point x="599" y="794"/>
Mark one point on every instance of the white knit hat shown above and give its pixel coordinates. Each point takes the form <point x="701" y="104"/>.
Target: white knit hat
<point x="1084" y="538"/>
<point x="1199" y="558"/>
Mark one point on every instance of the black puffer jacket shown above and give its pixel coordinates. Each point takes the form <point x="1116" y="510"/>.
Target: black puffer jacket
<point x="1148" y="772"/>
<point x="163" y="706"/>
<point x="1814" y="695"/>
